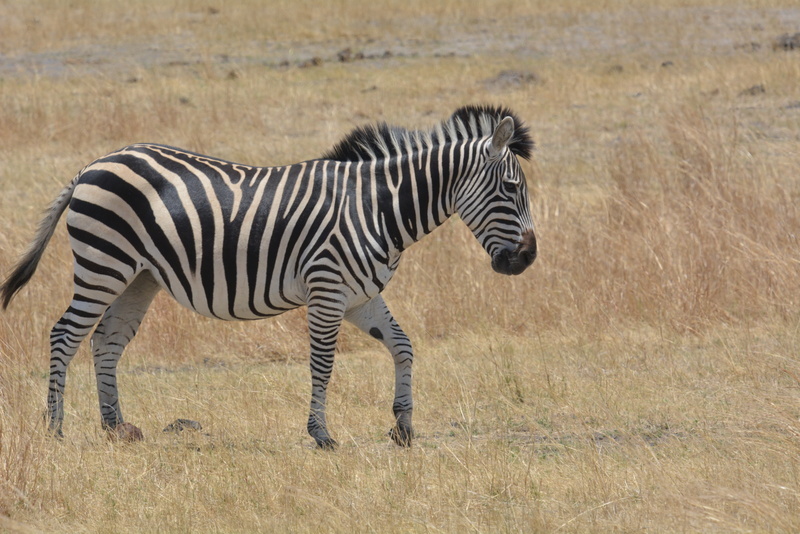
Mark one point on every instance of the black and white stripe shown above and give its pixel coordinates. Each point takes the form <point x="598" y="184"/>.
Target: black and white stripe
<point x="237" y="242"/>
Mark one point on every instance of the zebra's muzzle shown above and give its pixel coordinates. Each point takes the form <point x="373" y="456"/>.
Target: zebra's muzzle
<point x="515" y="261"/>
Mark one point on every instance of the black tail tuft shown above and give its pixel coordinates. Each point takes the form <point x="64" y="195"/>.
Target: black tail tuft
<point x="26" y="266"/>
<point x="19" y="277"/>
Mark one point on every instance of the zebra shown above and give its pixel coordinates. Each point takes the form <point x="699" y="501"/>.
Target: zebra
<point x="238" y="242"/>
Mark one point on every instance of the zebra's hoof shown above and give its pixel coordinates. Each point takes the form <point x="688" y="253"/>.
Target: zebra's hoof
<point x="125" y="433"/>
<point x="53" y="425"/>
<point x="327" y="444"/>
<point x="402" y="435"/>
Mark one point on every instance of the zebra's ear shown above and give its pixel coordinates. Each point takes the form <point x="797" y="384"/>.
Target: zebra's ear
<point x="501" y="136"/>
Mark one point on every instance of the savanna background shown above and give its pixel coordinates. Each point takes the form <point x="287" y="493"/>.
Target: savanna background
<point x="643" y="374"/>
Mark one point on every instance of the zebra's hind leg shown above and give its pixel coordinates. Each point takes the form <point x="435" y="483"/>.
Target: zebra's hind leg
<point x="375" y="319"/>
<point x="325" y="314"/>
<point x="116" y="329"/>
<point x="65" y="338"/>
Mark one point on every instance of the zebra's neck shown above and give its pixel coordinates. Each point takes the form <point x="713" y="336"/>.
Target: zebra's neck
<point x="416" y="189"/>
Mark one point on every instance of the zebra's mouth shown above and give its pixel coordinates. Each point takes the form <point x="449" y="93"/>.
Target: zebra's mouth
<point x="514" y="261"/>
<point x="507" y="262"/>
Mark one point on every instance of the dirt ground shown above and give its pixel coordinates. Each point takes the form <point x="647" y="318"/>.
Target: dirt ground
<point x="721" y="31"/>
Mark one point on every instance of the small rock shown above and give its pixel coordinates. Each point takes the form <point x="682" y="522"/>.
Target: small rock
<point x="787" y="42"/>
<point x="126" y="433"/>
<point x="754" y="90"/>
<point x="179" y="425"/>
<point x="752" y="46"/>
<point x="347" y="55"/>
<point x="511" y="78"/>
<point x="315" y="61"/>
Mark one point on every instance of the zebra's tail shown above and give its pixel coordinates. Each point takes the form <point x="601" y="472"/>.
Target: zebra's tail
<point x="26" y="266"/>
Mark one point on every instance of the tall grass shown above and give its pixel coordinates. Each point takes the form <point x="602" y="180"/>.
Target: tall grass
<point x="713" y="225"/>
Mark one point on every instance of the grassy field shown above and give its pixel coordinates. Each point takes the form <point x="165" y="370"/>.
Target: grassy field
<point x="642" y="375"/>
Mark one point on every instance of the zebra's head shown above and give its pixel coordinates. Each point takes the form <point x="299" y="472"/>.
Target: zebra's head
<point x="493" y="200"/>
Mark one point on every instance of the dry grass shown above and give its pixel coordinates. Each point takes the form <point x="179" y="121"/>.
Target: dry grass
<point x="642" y="375"/>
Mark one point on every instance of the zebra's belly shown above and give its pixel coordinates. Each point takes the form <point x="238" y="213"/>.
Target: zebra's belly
<point x="356" y="293"/>
<point x="243" y="303"/>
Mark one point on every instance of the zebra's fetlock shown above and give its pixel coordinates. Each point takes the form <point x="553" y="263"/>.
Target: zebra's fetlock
<point x="110" y="424"/>
<point x="327" y="444"/>
<point x="403" y="432"/>
<point x="403" y="435"/>
<point x="317" y="429"/>
<point x="53" y="425"/>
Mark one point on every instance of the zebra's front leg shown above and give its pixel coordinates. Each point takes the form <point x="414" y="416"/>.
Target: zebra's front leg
<point x="375" y="319"/>
<point x="324" y="321"/>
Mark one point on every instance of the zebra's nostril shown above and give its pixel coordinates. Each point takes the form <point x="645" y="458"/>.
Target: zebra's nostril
<point x="528" y="248"/>
<point x="526" y="257"/>
<point x="529" y="255"/>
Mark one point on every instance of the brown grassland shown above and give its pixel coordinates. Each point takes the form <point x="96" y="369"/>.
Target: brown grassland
<point x="643" y="374"/>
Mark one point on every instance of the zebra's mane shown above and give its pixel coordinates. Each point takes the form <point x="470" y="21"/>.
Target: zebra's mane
<point x="382" y="140"/>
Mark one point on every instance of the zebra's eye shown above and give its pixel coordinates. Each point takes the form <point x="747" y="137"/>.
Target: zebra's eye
<point x="510" y="187"/>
